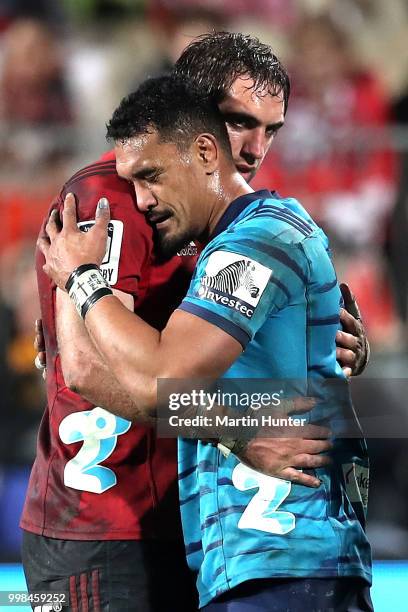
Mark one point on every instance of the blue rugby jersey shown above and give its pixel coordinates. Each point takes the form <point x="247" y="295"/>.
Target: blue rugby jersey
<point x="267" y="279"/>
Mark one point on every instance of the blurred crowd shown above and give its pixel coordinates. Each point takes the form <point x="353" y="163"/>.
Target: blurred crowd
<point x="343" y="151"/>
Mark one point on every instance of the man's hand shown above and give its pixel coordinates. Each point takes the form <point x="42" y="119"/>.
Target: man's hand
<point x="67" y="248"/>
<point x="299" y="447"/>
<point x="39" y="346"/>
<point x="285" y="457"/>
<point x="352" y="350"/>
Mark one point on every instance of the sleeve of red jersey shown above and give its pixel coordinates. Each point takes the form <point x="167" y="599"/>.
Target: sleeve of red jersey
<point x="129" y="244"/>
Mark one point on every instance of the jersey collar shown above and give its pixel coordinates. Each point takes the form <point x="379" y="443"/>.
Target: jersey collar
<point x="236" y="207"/>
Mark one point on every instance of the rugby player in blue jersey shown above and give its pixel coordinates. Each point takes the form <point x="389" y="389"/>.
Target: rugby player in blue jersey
<point x="221" y="62"/>
<point x="261" y="543"/>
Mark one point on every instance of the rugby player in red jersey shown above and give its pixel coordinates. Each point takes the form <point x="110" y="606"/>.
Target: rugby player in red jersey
<point x="101" y="516"/>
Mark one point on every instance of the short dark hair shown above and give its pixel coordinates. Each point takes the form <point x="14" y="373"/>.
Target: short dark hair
<point x="214" y="61"/>
<point x="175" y="108"/>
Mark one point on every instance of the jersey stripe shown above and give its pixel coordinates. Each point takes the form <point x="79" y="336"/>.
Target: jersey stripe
<point x="282" y="213"/>
<point x="85" y="176"/>
<point x="93" y="167"/>
<point x="279" y="218"/>
<point x="326" y="287"/>
<point x="230" y="328"/>
<point x="278" y="254"/>
<point x="331" y="320"/>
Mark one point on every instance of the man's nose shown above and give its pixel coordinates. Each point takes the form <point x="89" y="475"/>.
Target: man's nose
<point x="145" y="200"/>
<point x="255" y="145"/>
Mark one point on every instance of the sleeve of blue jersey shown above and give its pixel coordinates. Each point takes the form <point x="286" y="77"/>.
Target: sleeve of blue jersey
<point x="239" y="283"/>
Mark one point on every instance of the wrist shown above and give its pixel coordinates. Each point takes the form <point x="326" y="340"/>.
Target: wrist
<point x="86" y="286"/>
<point x="232" y="445"/>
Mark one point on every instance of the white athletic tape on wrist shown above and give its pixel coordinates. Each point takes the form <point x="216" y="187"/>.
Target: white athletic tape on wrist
<point x="224" y="449"/>
<point x="87" y="289"/>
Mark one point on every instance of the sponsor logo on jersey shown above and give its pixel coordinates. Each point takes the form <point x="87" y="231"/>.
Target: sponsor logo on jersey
<point x="357" y="481"/>
<point x="234" y="281"/>
<point x="189" y="250"/>
<point x="110" y="263"/>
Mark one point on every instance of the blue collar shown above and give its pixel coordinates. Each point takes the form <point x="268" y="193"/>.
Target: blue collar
<point x="236" y="207"/>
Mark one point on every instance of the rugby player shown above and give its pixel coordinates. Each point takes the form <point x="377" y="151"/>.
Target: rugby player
<point x="266" y="254"/>
<point x="135" y="514"/>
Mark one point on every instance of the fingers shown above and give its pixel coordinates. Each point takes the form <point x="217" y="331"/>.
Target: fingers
<point x="103" y="209"/>
<point x="52" y="227"/>
<point x="296" y="405"/>
<point x="44" y="245"/>
<point x="102" y="215"/>
<point x="350" y="302"/>
<point x="346" y="293"/>
<point x="345" y="357"/>
<point x="352" y="350"/>
<point x="299" y="405"/>
<point x="102" y="218"/>
<point x="39" y="343"/>
<point x="293" y="432"/>
<point x="311" y="462"/>
<point x="300" y="478"/>
<point x="69" y="216"/>
<point x="315" y="432"/>
<point x="313" y="447"/>
<point x="362" y="357"/>
<point x="347" y="341"/>
<point x="350" y="324"/>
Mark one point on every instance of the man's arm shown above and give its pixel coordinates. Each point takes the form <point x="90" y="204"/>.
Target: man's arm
<point x="87" y="374"/>
<point x="137" y="354"/>
<point x="188" y="347"/>
<point x="191" y="347"/>
<point x="83" y="368"/>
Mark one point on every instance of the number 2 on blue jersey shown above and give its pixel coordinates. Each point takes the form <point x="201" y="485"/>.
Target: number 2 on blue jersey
<point x="262" y="511"/>
<point x="98" y="429"/>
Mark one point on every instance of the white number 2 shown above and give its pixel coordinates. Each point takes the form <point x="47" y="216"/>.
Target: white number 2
<point x="99" y="431"/>
<point x="262" y="511"/>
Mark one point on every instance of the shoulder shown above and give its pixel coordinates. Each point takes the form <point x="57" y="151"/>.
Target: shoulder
<point x="276" y="221"/>
<point x="100" y="176"/>
<point x="100" y="179"/>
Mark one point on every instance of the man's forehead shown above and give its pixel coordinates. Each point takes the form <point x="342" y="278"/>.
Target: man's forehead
<point x="242" y="96"/>
<point x="136" y="144"/>
<point x="137" y="150"/>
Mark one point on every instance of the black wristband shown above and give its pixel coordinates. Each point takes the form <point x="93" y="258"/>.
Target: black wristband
<point x="86" y="285"/>
<point x="100" y="293"/>
<point x="77" y="272"/>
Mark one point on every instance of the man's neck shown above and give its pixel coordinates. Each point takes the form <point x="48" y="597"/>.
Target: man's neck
<point x="230" y="192"/>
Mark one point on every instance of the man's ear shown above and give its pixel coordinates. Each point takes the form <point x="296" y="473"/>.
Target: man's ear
<point x="206" y="149"/>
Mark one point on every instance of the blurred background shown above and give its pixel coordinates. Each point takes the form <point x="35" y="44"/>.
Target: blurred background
<point x="65" y="65"/>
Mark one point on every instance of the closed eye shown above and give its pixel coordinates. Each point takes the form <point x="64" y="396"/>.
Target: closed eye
<point x="152" y="178"/>
<point x="149" y="175"/>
